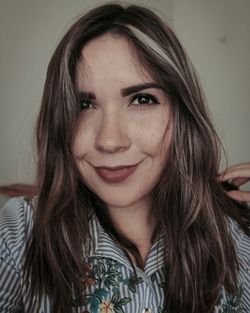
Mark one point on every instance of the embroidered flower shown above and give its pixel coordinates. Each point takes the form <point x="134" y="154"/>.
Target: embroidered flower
<point x="106" y="307"/>
<point x="100" y="278"/>
<point x="89" y="282"/>
<point x="87" y="267"/>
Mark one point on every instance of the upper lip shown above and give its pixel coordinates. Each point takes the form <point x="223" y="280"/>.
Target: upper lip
<point x="114" y="168"/>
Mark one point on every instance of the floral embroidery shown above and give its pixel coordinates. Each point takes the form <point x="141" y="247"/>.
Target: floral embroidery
<point x="232" y="303"/>
<point x="106" y="307"/>
<point x="133" y="281"/>
<point x="88" y="281"/>
<point x="229" y="303"/>
<point x="162" y="309"/>
<point x="119" y="302"/>
<point x="93" y="289"/>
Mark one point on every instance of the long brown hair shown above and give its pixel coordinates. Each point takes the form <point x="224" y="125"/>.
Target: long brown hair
<point x="188" y="201"/>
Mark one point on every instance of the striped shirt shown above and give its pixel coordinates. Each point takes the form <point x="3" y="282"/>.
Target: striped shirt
<point x="111" y="284"/>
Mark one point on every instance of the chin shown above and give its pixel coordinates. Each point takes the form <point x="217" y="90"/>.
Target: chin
<point x="120" y="202"/>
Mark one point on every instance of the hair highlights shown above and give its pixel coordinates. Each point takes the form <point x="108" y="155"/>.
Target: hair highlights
<point x="188" y="201"/>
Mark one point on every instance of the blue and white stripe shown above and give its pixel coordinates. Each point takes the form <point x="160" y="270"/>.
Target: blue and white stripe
<point x="15" y="226"/>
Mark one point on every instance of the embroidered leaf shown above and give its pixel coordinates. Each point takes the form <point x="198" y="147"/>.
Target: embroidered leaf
<point x="133" y="281"/>
<point x="115" y="297"/>
<point x="113" y="272"/>
<point x="132" y="287"/>
<point x="106" y="277"/>
<point x="124" y="301"/>
<point x="99" y="298"/>
<point x="110" y="282"/>
<point x="80" y="301"/>
<point x="94" y="270"/>
<point x="118" y="309"/>
<point x="162" y="309"/>
<point x="232" y="303"/>
<point x="101" y="267"/>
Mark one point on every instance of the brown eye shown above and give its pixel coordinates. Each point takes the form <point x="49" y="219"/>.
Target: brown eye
<point x="86" y="104"/>
<point x="144" y="99"/>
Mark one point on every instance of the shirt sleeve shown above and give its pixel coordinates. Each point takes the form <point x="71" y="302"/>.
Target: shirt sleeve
<point x="15" y="223"/>
<point x="245" y="253"/>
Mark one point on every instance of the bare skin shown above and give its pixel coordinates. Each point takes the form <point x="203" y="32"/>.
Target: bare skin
<point x="237" y="175"/>
<point x="139" y="231"/>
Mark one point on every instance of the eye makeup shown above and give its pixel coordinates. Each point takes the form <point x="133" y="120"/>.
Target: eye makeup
<point x="144" y="99"/>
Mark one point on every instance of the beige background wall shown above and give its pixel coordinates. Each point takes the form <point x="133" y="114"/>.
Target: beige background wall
<point x="215" y="33"/>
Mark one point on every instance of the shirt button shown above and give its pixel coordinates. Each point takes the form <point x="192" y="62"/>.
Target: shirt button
<point x="147" y="310"/>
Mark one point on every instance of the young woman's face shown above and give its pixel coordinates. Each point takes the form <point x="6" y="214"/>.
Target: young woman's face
<point x="124" y="129"/>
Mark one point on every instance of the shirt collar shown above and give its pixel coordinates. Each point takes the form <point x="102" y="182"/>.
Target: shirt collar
<point x="102" y="245"/>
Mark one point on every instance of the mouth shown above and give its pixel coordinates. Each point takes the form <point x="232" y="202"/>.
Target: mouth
<point x="116" y="174"/>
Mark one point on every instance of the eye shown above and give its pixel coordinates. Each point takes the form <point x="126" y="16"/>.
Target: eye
<point x="86" y="104"/>
<point x="144" y="99"/>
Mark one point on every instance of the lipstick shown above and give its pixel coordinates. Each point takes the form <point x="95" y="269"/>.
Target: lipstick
<point x="115" y="174"/>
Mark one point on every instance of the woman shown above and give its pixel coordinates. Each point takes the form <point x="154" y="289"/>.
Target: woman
<point x="130" y="216"/>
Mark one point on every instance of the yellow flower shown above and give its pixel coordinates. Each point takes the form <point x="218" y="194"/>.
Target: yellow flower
<point x="106" y="307"/>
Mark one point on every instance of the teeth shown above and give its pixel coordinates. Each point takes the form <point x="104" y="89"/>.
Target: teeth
<point x="123" y="169"/>
<point x="119" y="170"/>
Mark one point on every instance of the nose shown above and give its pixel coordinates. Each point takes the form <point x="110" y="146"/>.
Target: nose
<point x="112" y="136"/>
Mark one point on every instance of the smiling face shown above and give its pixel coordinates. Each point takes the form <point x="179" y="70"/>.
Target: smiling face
<point x="123" y="132"/>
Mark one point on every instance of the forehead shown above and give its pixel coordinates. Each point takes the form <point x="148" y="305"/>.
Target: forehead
<point x="110" y="57"/>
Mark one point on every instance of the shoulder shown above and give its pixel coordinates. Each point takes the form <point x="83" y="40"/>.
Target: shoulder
<point x="16" y="216"/>
<point x="15" y="225"/>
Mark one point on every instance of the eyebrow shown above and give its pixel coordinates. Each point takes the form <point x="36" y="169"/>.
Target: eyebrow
<point x="132" y="89"/>
<point x="125" y="91"/>
<point x="87" y="95"/>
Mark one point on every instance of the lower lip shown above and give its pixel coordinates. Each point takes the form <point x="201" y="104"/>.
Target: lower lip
<point x="116" y="176"/>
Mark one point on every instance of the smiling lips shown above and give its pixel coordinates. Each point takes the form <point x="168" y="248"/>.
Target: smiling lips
<point x="115" y="174"/>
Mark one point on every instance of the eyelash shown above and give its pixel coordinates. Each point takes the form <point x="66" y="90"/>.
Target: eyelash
<point x="151" y="100"/>
<point x="83" y="101"/>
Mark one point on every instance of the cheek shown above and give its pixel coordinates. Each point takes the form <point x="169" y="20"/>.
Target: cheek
<point x="83" y="137"/>
<point x="154" y="134"/>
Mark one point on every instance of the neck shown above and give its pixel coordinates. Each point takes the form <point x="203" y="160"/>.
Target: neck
<point x="135" y="222"/>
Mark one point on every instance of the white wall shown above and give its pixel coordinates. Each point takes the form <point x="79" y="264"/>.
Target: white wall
<point x="215" y="32"/>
